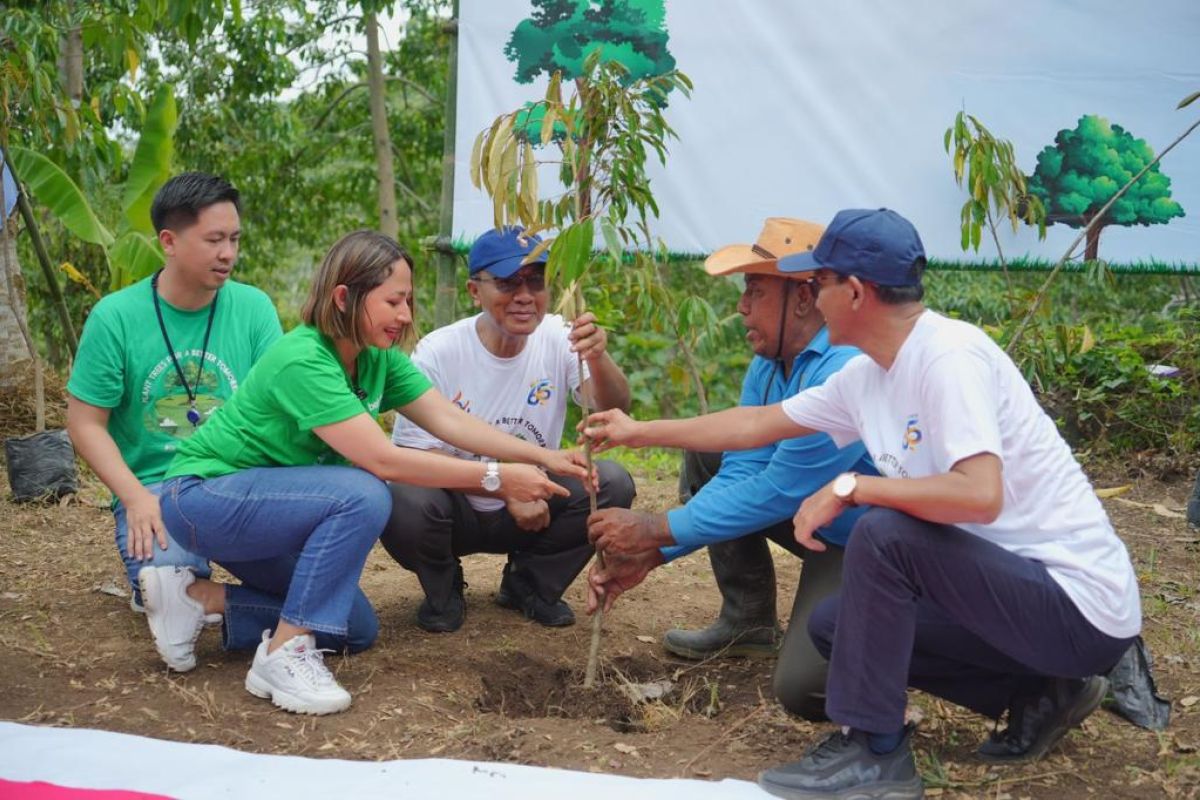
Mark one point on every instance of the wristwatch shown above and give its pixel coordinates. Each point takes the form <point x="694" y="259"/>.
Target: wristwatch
<point x="491" y="478"/>
<point x="844" y="486"/>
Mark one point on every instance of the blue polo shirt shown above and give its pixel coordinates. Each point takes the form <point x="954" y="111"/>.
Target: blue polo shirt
<point x="755" y="489"/>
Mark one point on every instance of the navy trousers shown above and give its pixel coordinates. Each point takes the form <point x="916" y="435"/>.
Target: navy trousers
<point x="939" y="609"/>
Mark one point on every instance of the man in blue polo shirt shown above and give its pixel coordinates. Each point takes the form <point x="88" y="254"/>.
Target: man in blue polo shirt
<point x="753" y="493"/>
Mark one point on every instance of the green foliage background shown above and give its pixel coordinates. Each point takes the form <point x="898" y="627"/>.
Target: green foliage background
<point x="270" y="95"/>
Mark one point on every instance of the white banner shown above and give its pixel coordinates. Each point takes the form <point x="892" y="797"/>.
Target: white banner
<point x="803" y="107"/>
<point x="119" y="763"/>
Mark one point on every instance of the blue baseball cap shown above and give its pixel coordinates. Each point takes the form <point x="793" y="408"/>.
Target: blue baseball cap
<point x="503" y="252"/>
<point x="876" y="246"/>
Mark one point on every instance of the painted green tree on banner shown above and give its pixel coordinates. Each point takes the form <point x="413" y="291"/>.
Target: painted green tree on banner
<point x="560" y="34"/>
<point x="1084" y="169"/>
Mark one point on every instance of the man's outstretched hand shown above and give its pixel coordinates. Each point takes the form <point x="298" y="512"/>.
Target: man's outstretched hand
<point x="622" y="532"/>
<point x="609" y="429"/>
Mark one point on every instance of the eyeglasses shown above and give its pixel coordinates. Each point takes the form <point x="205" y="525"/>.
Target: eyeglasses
<point x="535" y="281"/>
<point x="814" y="283"/>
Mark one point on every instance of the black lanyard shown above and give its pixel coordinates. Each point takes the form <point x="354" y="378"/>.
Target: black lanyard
<point x="193" y="415"/>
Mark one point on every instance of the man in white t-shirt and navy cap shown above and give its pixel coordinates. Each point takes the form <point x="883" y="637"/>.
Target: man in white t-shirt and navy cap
<point x="513" y="366"/>
<point x="986" y="573"/>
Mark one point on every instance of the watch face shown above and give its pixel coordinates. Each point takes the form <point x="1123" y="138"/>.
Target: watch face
<point x="491" y="479"/>
<point x="844" y="485"/>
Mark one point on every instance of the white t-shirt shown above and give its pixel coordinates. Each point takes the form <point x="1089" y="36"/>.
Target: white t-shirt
<point x="952" y="393"/>
<point x="523" y="395"/>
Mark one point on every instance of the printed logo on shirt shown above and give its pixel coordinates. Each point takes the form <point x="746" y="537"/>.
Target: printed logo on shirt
<point x="912" y="434"/>
<point x="888" y="465"/>
<point x="465" y="405"/>
<point x="165" y="399"/>
<point x="521" y="428"/>
<point x="540" y="392"/>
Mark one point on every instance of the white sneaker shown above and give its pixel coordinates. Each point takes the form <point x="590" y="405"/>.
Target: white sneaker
<point x="295" y="677"/>
<point x="210" y="620"/>
<point x="175" y="619"/>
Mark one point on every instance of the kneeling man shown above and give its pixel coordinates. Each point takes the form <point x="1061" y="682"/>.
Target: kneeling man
<point x="513" y="366"/>
<point x="987" y="572"/>
<point x="742" y="499"/>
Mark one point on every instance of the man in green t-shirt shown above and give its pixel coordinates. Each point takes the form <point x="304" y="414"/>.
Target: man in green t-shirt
<point x="158" y="357"/>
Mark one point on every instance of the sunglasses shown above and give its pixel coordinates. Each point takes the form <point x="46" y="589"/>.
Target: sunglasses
<point x="535" y="281"/>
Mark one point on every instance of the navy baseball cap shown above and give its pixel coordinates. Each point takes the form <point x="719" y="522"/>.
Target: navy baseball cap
<point x="876" y="246"/>
<point x="503" y="252"/>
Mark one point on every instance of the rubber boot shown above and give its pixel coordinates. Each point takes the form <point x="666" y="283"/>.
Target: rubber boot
<point x="696" y="469"/>
<point x="747" y="625"/>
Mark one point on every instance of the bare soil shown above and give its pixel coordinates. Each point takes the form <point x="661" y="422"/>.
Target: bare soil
<point x="502" y="688"/>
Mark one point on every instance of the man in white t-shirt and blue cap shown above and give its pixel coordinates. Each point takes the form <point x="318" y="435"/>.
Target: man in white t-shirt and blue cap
<point x="513" y="366"/>
<point x="986" y="573"/>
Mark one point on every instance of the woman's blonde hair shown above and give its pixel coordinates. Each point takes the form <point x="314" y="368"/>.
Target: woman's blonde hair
<point x="360" y="261"/>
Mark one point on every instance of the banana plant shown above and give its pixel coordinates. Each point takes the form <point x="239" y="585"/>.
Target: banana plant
<point x="134" y="252"/>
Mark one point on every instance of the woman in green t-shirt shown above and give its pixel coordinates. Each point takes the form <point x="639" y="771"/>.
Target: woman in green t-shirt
<point x="265" y="487"/>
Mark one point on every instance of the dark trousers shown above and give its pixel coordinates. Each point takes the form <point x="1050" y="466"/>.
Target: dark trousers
<point x="431" y="529"/>
<point x="745" y="575"/>
<point x="939" y="609"/>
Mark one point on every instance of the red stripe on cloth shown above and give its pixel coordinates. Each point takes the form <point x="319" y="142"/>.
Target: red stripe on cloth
<point x="39" y="790"/>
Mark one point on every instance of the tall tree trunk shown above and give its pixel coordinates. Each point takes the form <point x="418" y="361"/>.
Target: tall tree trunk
<point x="14" y="352"/>
<point x="73" y="61"/>
<point x="447" y="278"/>
<point x="16" y="306"/>
<point x="1092" y="249"/>
<point x="384" y="169"/>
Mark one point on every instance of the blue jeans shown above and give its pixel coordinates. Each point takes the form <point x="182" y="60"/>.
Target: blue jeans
<point x="176" y="555"/>
<point x="297" y="537"/>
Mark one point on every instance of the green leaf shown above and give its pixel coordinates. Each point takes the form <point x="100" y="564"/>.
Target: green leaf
<point x="611" y="240"/>
<point x="1187" y="101"/>
<point x="54" y="189"/>
<point x="529" y="184"/>
<point x="569" y="252"/>
<point x="133" y="257"/>
<point x="476" y="155"/>
<point x="151" y="165"/>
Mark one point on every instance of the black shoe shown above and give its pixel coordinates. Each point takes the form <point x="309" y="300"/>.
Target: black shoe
<point x="516" y="593"/>
<point x="450" y="615"/>
<point x="723" y="638"/>
<point x="843" y="766"/>
<point x="1037" y="723"/>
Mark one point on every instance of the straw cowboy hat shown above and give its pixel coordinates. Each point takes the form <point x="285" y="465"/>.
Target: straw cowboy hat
<point x="781" y="236"/>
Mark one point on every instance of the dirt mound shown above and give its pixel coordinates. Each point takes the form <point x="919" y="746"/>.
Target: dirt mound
<point x="631" y="693"/>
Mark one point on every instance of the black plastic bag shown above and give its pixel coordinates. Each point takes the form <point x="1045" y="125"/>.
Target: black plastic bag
<point x="41" y="465"/>
<point x="1134" y="695"/>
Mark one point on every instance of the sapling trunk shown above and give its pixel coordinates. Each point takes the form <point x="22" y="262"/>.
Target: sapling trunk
<point x="589" y="675"/>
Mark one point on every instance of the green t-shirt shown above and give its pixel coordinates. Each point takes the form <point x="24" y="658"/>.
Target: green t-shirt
<point x="298" y="385"/>
<point x="123" y="365"/>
